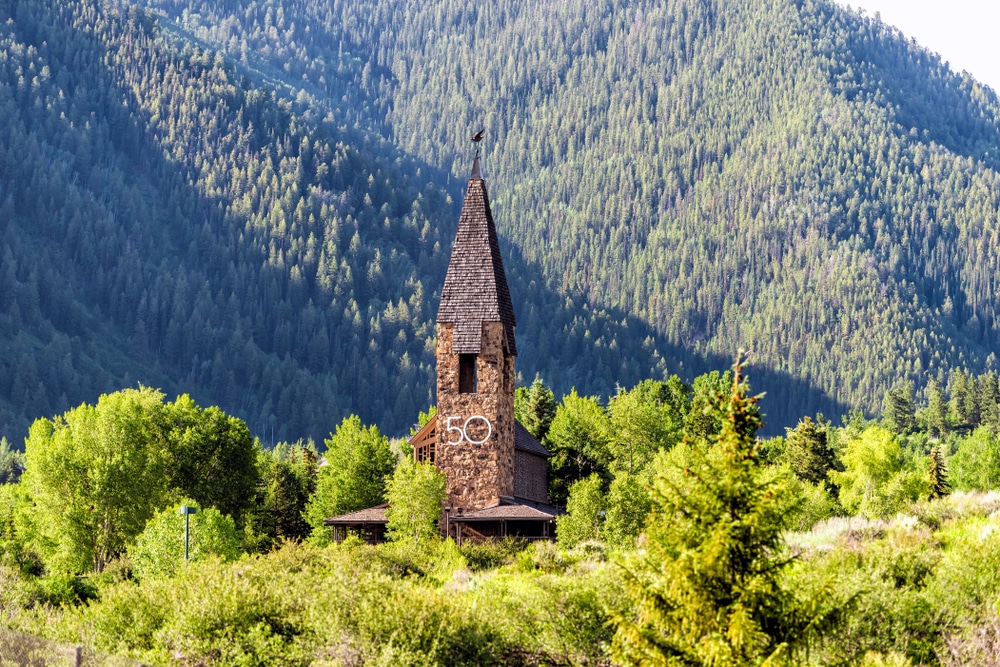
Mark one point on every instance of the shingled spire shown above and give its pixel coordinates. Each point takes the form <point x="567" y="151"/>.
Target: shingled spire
<point x="475" y="288"/>
<point x="475" y="436"/>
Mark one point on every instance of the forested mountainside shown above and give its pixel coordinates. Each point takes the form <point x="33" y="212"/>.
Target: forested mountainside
<point x="166" y="221"/>
<point x="254" y="202"/>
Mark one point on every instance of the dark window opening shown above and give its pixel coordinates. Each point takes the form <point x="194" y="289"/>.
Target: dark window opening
<point x="424" y="453"/>
<point x="467" y="374"/>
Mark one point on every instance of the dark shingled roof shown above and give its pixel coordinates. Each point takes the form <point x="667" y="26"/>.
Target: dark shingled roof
<point x="527" y="442"/>
<point x="368" y="515"/>
<point x="475" y="288"/>
<point x="512" y="508"/>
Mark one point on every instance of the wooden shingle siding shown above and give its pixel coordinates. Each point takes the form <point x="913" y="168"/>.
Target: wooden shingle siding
<point x="531" y="474"/>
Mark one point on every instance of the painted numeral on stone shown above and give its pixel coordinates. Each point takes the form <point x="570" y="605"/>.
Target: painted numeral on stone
<point x="463" y="432"/>
<point x="489" y="429"/>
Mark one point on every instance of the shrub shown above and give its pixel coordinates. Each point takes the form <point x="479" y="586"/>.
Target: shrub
<point x="877" y="480"/>
<point x="976" y="463"/>
<point x="816" y="505"/>
<point x="493" y="554"/>
<point x="584" y="509"/>
<point x="561" y="620"/>
<point x="159" y="550"/>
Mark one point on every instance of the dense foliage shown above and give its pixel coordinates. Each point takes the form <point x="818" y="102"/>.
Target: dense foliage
<point x="253" y="203"/>
<point x="98" y="473"/>
<point x="717" y="577"/>
<point x="359" y="464"/>
<point x="718" y="574"/>
<point x="707" y="584"/>
<point x="171" y="218"/>
<point x="632" y="143"/>
<point x="159" y="550"/>
<point x="415" y="495"/>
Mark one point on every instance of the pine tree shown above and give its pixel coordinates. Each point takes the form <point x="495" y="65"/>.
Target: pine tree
<point x="808" y="451"/>
<point x="937" y="471"/>
<point x="705" y="588"/>
<point x="936" y="414"/>
<point x="899" y="414"/>
<point x="535" y="407"/>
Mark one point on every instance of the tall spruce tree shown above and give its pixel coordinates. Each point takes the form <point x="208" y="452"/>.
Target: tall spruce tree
<point x="535" y="407"/>
<point x="899" y="414"/>
<point x="936" y="413"/>
<point x="808" y="451"/>
<point x="705" y="588"/>
<point x="937" y="472"/>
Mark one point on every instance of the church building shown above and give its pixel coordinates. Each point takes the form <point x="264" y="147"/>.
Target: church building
<point x="497" y="471"/>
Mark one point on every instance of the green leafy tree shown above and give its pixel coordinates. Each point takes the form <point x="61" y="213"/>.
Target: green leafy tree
<point x="359" y="462"/>
<point x="584" y="513"/>
<point x="96" y="475"/>
<point x="158" y="551"/>
<point x="878" y="480"/>
<point x="415" y="494"/>
<point x="642" y="421"/>
<point x="628" y="504"/>
<point x="706" y="587"/>
<point x="578" y="444"/>
<point x="214" y="457"/>
<point x="535" y="408"/>
<point x="817" y="504"/>
<point x="975" y="465"/>
<point x="855" y="423"/>
<point x="15" y="550"/>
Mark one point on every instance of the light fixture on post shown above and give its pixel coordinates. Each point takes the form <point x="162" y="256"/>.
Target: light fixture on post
<point x="187" y="511"/>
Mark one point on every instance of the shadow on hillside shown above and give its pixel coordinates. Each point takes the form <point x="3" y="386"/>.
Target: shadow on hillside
<point x="223" y="331"/>
<point x="594" y="350"/>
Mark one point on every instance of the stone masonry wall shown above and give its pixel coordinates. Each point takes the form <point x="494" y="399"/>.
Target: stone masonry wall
<point x="478" y="473"/>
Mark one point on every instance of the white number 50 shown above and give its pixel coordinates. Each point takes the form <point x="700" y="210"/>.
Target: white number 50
<point x="462" y="430"/>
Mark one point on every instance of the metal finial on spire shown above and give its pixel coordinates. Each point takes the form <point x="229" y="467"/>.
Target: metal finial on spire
<point x="477" y="171"/>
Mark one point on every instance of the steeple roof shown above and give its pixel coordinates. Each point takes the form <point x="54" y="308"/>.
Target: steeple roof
<point x="475" y="288"/>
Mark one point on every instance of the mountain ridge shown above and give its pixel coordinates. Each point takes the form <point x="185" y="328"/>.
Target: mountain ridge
<point x="278" y="251"/>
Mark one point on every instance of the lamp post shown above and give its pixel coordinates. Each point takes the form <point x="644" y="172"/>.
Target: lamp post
<point x="187" y="511"/>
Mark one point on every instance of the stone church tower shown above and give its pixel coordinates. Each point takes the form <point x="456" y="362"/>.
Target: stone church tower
<point x="475" y="361"/>
<point x="497" y="471"/>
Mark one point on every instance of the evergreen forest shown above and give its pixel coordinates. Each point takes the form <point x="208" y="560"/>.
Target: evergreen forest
<point x="253" y="203"/>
